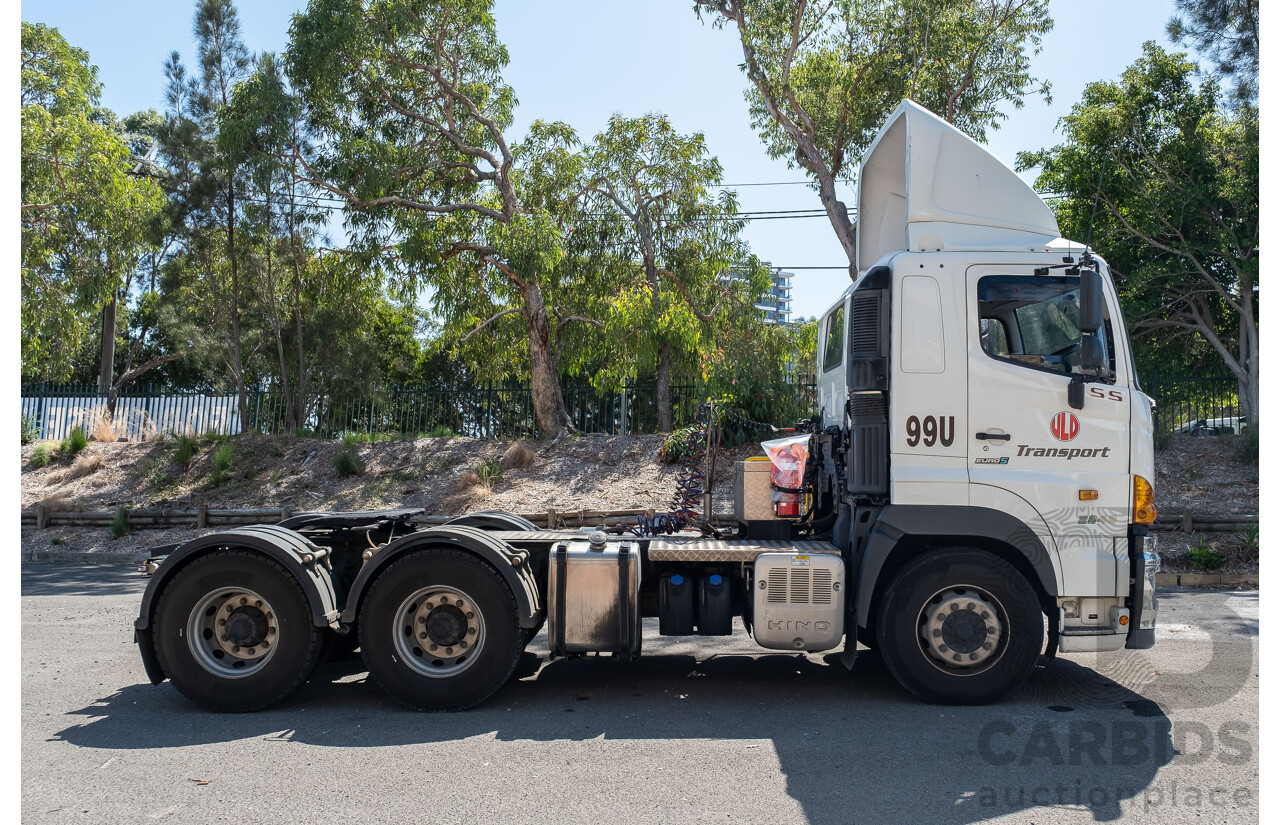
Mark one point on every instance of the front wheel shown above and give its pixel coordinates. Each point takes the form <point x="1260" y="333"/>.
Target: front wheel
<point x="440" y="630"/>
<point x="959" y="626"/>
<point x="234" y="632"/>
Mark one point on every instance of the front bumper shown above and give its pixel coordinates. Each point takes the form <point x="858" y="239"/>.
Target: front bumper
<point x="1144" y="563"/>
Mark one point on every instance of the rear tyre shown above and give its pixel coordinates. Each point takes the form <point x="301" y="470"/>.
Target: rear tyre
<point x="959" y="626"/>
<point x="440" y="631"/>
<point x="234" y="632"/>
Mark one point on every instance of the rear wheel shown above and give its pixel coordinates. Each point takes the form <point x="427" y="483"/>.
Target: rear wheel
<point x="959" y="626"/>
<point x="440" y="630"/>
<point x="234" y="632"/>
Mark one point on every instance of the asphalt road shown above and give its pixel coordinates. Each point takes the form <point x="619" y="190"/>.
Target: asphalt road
<point x="703" y="731"/>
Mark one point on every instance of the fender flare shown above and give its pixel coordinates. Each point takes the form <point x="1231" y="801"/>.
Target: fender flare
<point x="510" y="563"/>
<point x="490" y="520"/>
<point x="898" y="521"/>
<point x="277" y="543"/>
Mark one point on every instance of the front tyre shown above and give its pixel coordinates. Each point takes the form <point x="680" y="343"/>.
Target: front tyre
<point x="440" y="630"/>
<point x="234" y="632"/>
<point x="959" y="626"/>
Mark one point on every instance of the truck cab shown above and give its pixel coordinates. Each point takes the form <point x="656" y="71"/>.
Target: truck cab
<point x="999" y="405"/>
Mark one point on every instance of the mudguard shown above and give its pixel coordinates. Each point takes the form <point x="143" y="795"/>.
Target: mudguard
<point x="278" y="543"/>
<point x="511" y="564"/>
<point x="952" y="522"/>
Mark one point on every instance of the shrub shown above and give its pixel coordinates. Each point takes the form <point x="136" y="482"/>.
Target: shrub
<point x="1203" y="557"/>
<point x="489" y="472"/>
<point x="1246" y="446"/>
<point x="1249" y="540"/>
<point x="185" y="449"/>
<point x="30" y="432"/>
<point x="224" y="458"/>
<point x="678" y="445"/>
<point x="347" y="459"/>
<point x="441" y="431"/>
<point x="40" y="456"/>
<point x="75" y="441"/>
<point x="120" y="522"/>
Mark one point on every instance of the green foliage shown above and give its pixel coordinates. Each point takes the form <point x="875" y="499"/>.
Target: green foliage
<point x="1176" y="182"/>
<point x="678" y="445"/>
<point x="75" y="441"/>
<point x="119" y="524"/>
<point x="1246" y="447"/>
<point x="1250" y="540"/>
<point x="1225" y="32"/>
<point x="185" y="448"/>
<point x="221" y="465"/>
<point x="40" y="456"/>
<point x="489" y="472"/>
<point x="347" y="459"/>
<point x="30" y="432"/>
<point x="441" y="431"/>
<point x="1203" y="557"/>
<point x="824" y="75"/>
<point x="83" y="213"/>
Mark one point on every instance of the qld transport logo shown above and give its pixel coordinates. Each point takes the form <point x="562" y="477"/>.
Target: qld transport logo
<point x="1065" y="426"/>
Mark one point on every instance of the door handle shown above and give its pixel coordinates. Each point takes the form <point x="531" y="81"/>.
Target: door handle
<point x="992" y="436"/>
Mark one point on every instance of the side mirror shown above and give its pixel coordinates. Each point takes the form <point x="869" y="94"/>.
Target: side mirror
<point x="1092" y="355"/>
<point x="1090" y="317"/>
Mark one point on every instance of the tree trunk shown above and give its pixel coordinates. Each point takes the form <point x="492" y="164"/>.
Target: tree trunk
<point x="544" y="379"/>
<point x="664" y="388"/>
<point x="237" y="359"/>
<point x="106" y="367"/>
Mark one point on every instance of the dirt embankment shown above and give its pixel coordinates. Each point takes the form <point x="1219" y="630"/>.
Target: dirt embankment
<point x="444" y="476"/>
<point x="441" y="475"/>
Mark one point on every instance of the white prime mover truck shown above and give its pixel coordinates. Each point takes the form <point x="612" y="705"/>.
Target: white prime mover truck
<point x="977" y="493"/>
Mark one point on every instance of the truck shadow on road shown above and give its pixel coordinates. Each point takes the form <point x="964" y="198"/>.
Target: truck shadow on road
<point x="852" y="747"/>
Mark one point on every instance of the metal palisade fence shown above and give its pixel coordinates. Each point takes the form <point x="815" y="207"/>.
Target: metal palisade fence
<point x="1184" y="403"/>
<point x="478" y="410"/>
<point x="1208" y="402"/>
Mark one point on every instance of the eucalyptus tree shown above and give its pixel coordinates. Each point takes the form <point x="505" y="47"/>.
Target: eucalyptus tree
<point x="1175" y="183"/>
<point x="83" y="212"/>
<point x="1227" y="33"/>
<point x="410" y="112"/>
<point x="662" y="190"/>
<point x="824" y="75"/>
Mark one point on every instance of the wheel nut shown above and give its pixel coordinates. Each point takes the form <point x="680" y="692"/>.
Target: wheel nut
<point x="235" y="648"/>
<point x="985" y="615"/>
<point x="470" y="615"/>
<point x="225" y="638"/>
<point x="955" y="606"/>
<point x="264" y="643"/>
<point x="942" y="648"/>
<point x="936" y="633"/>
<point x="970" y="606"/>
<point x="987" y="646"/>
<point x="991" y="630"/>
<point x="463" y="644"/>
<point x="422" y="635"/>
<point x="250" y="651"/>
<point x="271" y="630"/>
<point x="422" y="620"/>
<point x="448" y="651"/>
<point x="244" y="601"/>
<point x="471" y="631"/>
<point x="222" y="622"/>
<point x="257" y="603"/>
<point x="435" y="648"/>
<point x="458" y="602"/>
<point x="973" y="657"/>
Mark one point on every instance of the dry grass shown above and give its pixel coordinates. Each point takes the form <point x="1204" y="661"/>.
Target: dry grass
<point x="57" y="503"/>
<point x="517" y="456"/>
<point x="103" y="429"/>
<point x="84" y="465"/>
<point x="468" y="480"/>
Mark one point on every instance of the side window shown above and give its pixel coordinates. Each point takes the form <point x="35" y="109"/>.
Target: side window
<point x="833" y="352"/>
<point x="1031" y="321"/>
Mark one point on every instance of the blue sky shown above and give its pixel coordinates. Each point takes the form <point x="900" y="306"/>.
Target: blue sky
<point x="581" y="61"/>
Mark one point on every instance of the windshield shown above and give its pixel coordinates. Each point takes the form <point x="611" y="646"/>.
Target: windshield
<point x="1031" y="320"/>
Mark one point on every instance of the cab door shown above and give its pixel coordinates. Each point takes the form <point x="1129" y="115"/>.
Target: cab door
<point x="1064" y="472"/>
